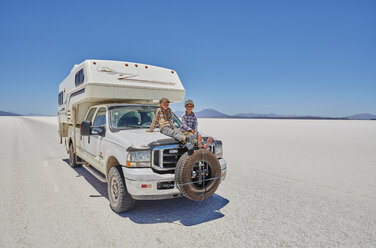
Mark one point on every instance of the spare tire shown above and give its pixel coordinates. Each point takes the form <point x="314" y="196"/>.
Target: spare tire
<point x="197" y="176"/>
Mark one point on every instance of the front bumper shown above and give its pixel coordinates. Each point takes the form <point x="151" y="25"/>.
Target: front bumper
<point x="145" y="184"/>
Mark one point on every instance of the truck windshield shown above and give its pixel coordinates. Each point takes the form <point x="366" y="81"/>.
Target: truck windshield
<point x="130" y="117"/>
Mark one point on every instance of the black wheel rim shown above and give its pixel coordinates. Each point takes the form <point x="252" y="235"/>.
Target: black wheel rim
<point x="202" y="175"/>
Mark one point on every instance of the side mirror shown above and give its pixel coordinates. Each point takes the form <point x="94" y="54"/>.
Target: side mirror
<point x="101" y="130"/>
<point x="85" y="128"/>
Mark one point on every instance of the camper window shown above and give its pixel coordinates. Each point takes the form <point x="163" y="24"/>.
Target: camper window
<point x="79" y="77"/>
<point x="60" y="98"/>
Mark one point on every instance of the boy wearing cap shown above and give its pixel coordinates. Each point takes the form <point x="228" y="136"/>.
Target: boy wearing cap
<point x="163" y="116"/>
<point x="189" y="121"/>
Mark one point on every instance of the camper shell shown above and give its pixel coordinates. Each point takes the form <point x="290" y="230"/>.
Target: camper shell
<point x="103" y="81"/>
<point x="104" y="109"/>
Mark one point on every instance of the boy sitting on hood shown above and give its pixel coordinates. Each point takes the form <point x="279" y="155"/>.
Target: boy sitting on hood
<point x="190" y="124"/>
<point x="164" y="117"/>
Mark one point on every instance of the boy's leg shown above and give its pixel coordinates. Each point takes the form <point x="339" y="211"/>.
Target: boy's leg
<point x="208" y="142"/>
<point x="186" y="133"/>
<point x="174" y="133"/>
<point x="192" y="138"/>
<point x="199" y="141"/>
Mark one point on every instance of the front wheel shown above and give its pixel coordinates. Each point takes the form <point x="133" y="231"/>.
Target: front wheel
<point x="120" y="199"/>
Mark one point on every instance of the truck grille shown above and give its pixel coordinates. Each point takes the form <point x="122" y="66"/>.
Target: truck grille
<point x="166" y="157"/>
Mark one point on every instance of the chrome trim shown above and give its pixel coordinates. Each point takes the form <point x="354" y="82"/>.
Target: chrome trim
<point x="160" y="158"/>
<point x="165" y="147"/>
<point x="160" y="150"/>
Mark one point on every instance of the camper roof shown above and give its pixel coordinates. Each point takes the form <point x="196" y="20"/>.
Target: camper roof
<point x="106" y="81"/>
<point x="129" y="74"/>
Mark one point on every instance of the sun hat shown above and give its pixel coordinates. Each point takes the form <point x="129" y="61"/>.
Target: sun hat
<point x="189" y="101"/>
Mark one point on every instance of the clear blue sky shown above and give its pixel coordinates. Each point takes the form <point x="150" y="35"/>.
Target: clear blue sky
<point x="287" y="57"/>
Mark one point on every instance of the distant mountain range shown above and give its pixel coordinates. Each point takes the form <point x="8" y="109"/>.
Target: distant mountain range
<point x="362" y="117"/>
<point x="212" y="113"/>
<point x="3" y="113"/>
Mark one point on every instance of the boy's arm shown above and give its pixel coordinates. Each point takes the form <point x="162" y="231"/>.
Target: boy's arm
<point x="195" y="123"/>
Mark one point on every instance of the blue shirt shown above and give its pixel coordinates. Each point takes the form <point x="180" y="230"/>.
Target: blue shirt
<point x="189" y="121"/>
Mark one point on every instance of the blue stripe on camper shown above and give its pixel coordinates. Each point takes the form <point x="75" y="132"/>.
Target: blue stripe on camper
<point x="77" y="92"/>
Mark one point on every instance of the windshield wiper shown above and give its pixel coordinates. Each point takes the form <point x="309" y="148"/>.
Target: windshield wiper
<point x="136" y="126"/>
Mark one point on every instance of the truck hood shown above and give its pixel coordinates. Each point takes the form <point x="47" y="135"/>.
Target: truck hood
<point x="140" y="138"/>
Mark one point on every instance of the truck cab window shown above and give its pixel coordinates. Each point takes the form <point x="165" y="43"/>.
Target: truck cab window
<point x="100" y="118"/>
<point x="90" y="115"/>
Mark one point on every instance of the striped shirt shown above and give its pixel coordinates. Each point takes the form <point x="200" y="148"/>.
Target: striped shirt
<point x="189" y="121"/>
<point x="163" y="117"/>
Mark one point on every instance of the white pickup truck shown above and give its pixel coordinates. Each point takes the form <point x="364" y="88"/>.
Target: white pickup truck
<point x="105" y="108"/>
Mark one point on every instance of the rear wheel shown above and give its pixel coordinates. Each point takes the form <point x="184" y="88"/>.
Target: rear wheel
<point x="73" y="157"/>
<point x="120" y="199"/>
<point x="198" y="176"/>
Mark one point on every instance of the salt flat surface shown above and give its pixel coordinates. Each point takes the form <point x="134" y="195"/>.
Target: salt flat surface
<point x="290" y="183"/>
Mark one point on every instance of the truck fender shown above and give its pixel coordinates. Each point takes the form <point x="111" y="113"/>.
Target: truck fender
<point x="115" y="157"/>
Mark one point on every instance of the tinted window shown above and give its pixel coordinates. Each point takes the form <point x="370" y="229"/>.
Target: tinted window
<point x="79" y="77"/>
<point x="124" y="117"/>
<point x="60" y="98"/>
<point x="89" y="117"/>
<point x="100" y="119"/>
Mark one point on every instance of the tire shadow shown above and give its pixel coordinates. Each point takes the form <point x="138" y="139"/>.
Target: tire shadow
<point x="177" y="210"/>
<point x="182" y="210"/>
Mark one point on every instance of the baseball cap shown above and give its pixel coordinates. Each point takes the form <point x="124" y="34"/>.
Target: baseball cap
<point x="163" y="99"/>
<point x="189" y="101"/>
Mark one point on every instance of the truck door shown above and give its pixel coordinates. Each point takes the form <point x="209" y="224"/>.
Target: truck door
<point x="96" y="140"/>
<point x="84" y="141"/>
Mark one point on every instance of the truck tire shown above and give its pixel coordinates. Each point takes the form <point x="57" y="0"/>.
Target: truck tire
<point x="120" y="199"/>
<point x="197" y="176"/>
<point x="73" y="157"/>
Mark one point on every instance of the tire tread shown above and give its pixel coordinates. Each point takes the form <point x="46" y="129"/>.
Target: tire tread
<point x="181" y="171"/>
<point x="126" y="202"/>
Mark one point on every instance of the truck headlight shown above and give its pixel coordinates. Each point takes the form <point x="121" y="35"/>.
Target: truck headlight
<point x="218" y="149"/>
<point x="140" y="158"/>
